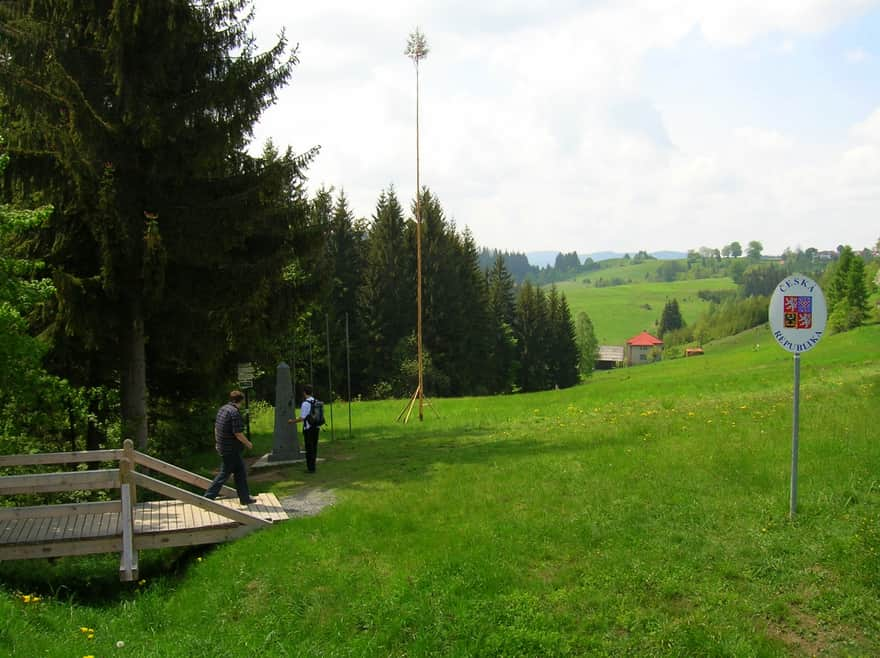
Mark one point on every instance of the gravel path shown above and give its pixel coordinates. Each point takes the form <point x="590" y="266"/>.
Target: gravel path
<point x="308" y="502"/>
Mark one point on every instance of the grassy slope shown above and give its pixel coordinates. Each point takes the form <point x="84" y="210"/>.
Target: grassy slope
<point x="644" y="512"/>
<point x="619" y="312"/>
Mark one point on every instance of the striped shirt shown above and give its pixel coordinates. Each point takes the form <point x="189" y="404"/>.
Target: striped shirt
<point x="228" y="422"/>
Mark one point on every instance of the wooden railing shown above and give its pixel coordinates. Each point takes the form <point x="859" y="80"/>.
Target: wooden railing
<point x="125" y="478"/>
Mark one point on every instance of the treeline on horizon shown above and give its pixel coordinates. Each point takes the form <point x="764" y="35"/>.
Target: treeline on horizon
<point x="704" y="262"/>
<point x="482" y="334"/>
<point x="847" y="278"/>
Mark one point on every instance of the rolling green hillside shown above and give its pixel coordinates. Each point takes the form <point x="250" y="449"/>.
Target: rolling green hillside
<point x="644" y="512"/>
<point x="620" y="312"/>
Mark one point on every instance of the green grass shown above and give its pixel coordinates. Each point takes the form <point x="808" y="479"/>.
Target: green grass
<point x="620" y="312"/>
<point x="625" y="270"/>
<point x="642" y="513"/>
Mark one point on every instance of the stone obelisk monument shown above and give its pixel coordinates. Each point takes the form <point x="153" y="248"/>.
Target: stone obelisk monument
<point x="285" y="442"/>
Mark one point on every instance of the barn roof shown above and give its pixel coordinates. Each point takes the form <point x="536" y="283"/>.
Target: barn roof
<point x="644" y="339"/>
<point x="610" y="353"/>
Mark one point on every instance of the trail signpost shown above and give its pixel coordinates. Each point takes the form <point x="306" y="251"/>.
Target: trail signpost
<point x="797" y="319"/>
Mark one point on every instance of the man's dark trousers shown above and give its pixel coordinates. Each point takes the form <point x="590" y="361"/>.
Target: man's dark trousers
<point x="310" y="437"/>
<point x="233" y="465"/>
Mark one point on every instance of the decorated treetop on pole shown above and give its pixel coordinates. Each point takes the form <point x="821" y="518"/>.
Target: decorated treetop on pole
<point x="416" y="47"/>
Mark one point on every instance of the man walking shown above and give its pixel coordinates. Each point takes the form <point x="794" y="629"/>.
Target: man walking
<point x="310" y="433"/>
<point x="230" y="441"/>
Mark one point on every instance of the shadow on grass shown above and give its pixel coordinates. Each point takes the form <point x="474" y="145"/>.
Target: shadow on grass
<point x="93" y="580"/>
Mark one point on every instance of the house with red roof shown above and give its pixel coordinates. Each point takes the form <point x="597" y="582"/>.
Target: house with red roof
<point x="643" y="348"/>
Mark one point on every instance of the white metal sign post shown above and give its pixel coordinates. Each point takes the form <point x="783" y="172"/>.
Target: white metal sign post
<point x="797" y="320"/>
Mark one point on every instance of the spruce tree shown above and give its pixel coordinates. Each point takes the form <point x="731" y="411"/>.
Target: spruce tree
<point x="564" y="348"/>
<point x="456" y="325"/>
<point x="346" y="252"/>
<point x="388" y="292"/>
<point x="133" y="119"/>
<point x="671" y="319"/>
<point x="588" y="344"/>
<point x="502" y="359"/>
<point x="531" y="331"/>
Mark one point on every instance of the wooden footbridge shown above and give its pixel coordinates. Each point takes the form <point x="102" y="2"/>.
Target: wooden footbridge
<point x="123" y="526"/>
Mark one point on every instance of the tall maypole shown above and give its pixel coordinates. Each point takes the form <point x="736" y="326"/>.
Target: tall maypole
<point x="416" y="50"/>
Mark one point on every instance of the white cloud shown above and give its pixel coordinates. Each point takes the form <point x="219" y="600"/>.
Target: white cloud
<point x="536" y="132"/>
<point x="856" y="55"/>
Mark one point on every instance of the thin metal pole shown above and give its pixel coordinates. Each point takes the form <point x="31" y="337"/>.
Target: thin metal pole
<point x="293" y="388"/>
<point x="794" y="436"/>
<point x="311" y="369"/>
<point x="348" y="368"/>
<point x="330" y="381"/>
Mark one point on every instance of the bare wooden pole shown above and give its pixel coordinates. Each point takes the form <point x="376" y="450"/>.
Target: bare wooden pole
<point x="417" y="49"/>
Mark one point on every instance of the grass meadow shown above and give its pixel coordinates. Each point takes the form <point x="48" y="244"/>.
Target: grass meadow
<point x="620" y="312"/>
<point x="644" y="512"/>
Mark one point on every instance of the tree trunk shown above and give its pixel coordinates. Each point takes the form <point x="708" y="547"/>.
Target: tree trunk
<point x="134" y="378"/>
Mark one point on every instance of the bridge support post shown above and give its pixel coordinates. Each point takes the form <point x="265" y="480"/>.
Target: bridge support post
<point x="128" y="564"/>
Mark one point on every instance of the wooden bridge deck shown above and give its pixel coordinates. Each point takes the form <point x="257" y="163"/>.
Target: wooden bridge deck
<point x="182" y="518"/>
<point x="96" y="527"/>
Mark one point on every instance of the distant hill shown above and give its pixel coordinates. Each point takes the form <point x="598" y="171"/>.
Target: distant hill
<point x="545" y="258"/>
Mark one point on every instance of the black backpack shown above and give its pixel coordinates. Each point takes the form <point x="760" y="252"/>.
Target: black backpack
<point x="316" y="413"/>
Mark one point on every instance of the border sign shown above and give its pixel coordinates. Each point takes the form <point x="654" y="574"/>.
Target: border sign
<point x="246" y="375"/>
<point x="797" y="319"/>
<point x="798" y="314"/>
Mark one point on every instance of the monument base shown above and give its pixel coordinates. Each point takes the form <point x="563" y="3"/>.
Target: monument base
<point x="270" y="459"/>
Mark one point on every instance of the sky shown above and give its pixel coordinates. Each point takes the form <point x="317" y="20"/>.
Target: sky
<point x="621" y="125"/>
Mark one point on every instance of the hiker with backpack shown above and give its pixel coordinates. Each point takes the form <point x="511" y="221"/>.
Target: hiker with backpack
<point x="311" y="415"/>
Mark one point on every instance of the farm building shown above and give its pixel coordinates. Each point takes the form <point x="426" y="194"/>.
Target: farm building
<point x="643" y="348"/>
<point x="610" y="356"/>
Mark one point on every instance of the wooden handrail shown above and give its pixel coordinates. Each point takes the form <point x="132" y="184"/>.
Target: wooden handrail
<point x="171" y="470"/>
<point x="70" y="481"/>
<point x="77" y="457"/>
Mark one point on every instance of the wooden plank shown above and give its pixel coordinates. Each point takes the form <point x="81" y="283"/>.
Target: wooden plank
<point x="90" y="522"/>
<point x="148" y="461"/>
<point x="56" y="527"/>
<point x="77" y="457"/>
<point x="190" y="516"/>
<point x="7" y="528"/>
<point x="77" y="530"/>
<point x="14" y="531"/>
<point x="64" y="524"/>
<point x="200" y="501"/>
<point x="177" y="516"/>
<point x="69" y="509"/>
<point x="24" y="530"/>
<point x="70" y="481"/>
<point x="34" y="532"/>
<point x="61" y="548"/>
<point x="110" y="524"/>
<point x="191" y="537"/>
